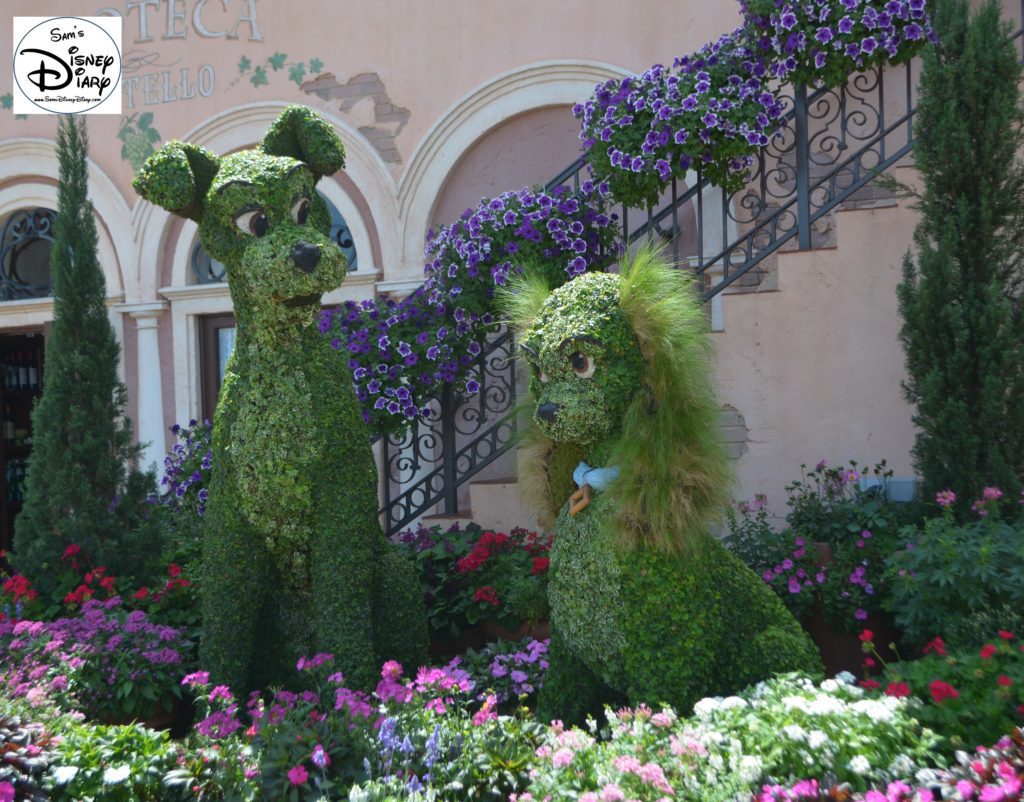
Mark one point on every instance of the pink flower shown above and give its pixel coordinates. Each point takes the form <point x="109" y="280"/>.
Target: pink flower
<point x="991" y="493"/>
<point x="1004" y="681"/>
<point x="391" y="670"/>
<point x="874" y="796"/>
<point x="987" y="651"/>
<point x="6" y="792"/>
<point x="220" y="692"/>
<point x="563" y="757"/>
<point x="945" y="498"/>
<point x="965" y="789"/>
<point x="898" y="689"/>
<point x="297" y="775"/>
<point x="197" y="678"/>
<point x="612" y="793"/>
<point x="589" y="796"/>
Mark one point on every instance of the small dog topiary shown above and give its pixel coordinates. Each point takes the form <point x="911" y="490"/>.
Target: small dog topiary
<point x="646" y="605"/>
<point x="294" y="558"/>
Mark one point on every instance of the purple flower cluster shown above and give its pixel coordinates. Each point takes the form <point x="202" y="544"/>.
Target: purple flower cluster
<point x="520" y="672"/>
<point x="187" y="466"/>
<point x="713" y="110"/>
<point x="401" y="352"/>
<point x="797" y="578"/>
<point x="111" y="662"/>
<point x="827" y="40"/>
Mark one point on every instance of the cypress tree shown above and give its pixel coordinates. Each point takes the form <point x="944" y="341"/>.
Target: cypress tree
<point x="960" y="301"/>
<point x="82" y="486"/>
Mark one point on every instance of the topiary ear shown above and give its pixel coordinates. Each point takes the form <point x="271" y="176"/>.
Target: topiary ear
<point x="177" y="177"/>
<point x="303" y="134"/>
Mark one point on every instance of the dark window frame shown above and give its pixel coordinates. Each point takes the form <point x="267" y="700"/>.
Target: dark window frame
<point x="209" y="360"/>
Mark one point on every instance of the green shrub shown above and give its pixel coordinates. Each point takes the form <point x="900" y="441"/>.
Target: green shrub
<point x="82" y="486"/>
<point x="949" y="571"/>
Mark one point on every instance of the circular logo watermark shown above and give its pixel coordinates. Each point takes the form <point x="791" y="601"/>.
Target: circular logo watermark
<point x="67" y="65"/>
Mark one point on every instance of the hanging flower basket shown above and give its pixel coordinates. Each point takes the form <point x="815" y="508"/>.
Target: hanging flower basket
<point x="712" y="111"/>
<point x="825" y="41"/>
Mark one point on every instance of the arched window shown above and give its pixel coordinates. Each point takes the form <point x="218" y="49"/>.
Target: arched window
<point x="25" y="242"/>
<point x="207" y="270"/>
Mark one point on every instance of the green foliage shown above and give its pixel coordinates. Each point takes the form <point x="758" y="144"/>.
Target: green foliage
<point x="960" y="299"/>
<point x="950" y="571"/>
<point x="111" y="763"/>
<point x="294" y="558"/>
<point x="83" y="486"/>
<point x="985" y="695"/>
<point x="751" y="536"/>
<point x="644" y="603"/>
<point x="972" y="631"/>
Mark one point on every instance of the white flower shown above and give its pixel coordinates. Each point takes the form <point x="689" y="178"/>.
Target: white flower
<point x="816" y="739"/>
<point x="795" y="732"/>
<point x="116" y="774"/>
<point x="716" y="762"/>
<point x="830" y="686"/>
<point x="64" y="774"/>
<point x="846" y="678"/>
<point x="705" y="707"/>
<point x="731" y="702"/>
<point x="859" y="765"/>
<point x="876" y="711"/>
<point x="901" y="766"/>
<point x="750" y="768"/>
<point x="794" y="702"/>
<point x="825" y="706"/>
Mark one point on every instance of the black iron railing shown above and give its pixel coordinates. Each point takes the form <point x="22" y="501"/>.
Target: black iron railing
<point x="834" y="143"/>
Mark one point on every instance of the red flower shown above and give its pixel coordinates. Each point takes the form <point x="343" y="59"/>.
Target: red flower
<point x="1005" y="635"/>
<point x="487" y="594"/>
<point x="870" y="684"/>
<point x="941" y="691"/>
<point x="869" y="662"/>
<point x="141" y="593"/>
<point x="897" y="689"/>
<point x="19" y="586"/>
<point x="71" y="551"/>
<point x="1020" y="709"/>
<point x="867" y="636"/>
<point x="1004" y="681"/>
<point x="107" y="583"/>
<point x="987" y="651"/>
<point x="173" y="570"/>
<point x="540" y="565"/>
<point x="938" y="646"/>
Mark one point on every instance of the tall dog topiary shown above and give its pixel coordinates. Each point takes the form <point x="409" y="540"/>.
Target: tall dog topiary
<point x="294" y="558"/>
<point x="646" y="605"/>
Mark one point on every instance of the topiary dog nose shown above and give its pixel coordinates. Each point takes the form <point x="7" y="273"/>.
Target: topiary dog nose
<point x="548" y="411"/>
<point x="306" y="256"/>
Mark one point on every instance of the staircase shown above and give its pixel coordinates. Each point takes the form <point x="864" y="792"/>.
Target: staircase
<point x="836" y="142"/>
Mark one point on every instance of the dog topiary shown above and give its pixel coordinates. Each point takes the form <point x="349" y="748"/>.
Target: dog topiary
<point x="294" y="558"/>
<point x="646" y="605"/>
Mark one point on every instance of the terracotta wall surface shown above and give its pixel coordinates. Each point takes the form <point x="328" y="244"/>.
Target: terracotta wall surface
<point x="815" y="368"/>
<point x="391" y="69"/>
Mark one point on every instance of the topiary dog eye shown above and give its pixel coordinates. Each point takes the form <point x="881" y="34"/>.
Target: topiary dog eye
<point x="253" y="221"/>
<point x="582" y="364"/>
<point x="300" y="211"/>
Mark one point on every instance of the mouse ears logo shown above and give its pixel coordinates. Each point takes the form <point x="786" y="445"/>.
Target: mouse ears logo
<point x="67" y="65"/>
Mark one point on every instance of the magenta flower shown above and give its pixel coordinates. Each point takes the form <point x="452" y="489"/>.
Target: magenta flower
<point x="297" y="775"/>
<point x="320" y="757"/>
<point x="991" y="493"/>
<point x="945" y="498"/>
